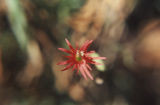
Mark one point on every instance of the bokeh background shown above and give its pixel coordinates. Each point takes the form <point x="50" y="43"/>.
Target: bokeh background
<point x="127" y="32"/>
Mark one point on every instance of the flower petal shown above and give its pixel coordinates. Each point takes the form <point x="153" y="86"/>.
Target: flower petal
<point x="87" y="72"/>
<point x="82" y="72"/>
<point x="86" y="45"/>
<point x="89" y="67"/>
<point x="67" y="56"/>
<point x="65" y="50"/>
<point x="64" y="62"/>
<point x="69" y="44"/>
<point x="74" y="67"/>
<point x="96" y="63"/>
<point x="90" y="52"/>
<point x="77" y="46"/>
<point x="67" y="67"/>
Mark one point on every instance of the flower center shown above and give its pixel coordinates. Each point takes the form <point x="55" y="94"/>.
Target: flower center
<point x="79" y="55"/>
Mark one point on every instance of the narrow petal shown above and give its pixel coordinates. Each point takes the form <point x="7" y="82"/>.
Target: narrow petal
<point x="86" y="45"/>
<point x="89" y="67"/>
<point x="82" y="72"/>
<point x="98" y="57"/>
<point x="74" y="67"/>
<point x="87" y="72"/>
<point x="77" y="46"/>
<point x="69" y="44"/>
<point x="96" y="63"/>
<point x="65" y="50"/>
<point x="64" y="62"/>
<point x="67" y="56"/>
<point x="67" y="67"/>
<point x="90" y="52"/>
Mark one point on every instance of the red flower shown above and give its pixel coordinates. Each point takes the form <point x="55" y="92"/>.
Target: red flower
<point x="79" y="59"/>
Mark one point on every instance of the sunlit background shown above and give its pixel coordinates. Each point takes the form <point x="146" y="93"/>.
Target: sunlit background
<point x="127" y="32"/>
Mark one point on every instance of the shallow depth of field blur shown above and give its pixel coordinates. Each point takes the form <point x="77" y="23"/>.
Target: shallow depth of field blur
<point x="127" y="32"/>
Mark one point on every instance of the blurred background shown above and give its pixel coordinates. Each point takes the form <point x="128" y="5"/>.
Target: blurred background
<point x="127" y="32"/>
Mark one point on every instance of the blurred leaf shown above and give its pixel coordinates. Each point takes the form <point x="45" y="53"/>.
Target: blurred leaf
<point x="67" y="103"/>
<point x="48" y="102"/>
<point x="99" y="67"/>
<point x="17" y="20"/>
<point x="20" y="102"/>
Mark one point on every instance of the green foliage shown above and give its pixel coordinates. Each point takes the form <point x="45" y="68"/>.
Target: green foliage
<point x="17" y="21"/>
<point x="47" y="101"/>
<point x="101" y="67"/>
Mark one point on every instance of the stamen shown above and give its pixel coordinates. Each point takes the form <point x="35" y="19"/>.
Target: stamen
<point x="82" y="53"/>
<point x="79" y="55"/>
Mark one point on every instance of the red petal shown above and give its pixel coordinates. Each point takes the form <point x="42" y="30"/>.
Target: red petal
<point x="65" y="50"/>
<point x="64" y="62"/>
<point x="87" y="64"/>
<point x="96" y="63"/>
<point x="90" y="52"/>
<point x="69" y="44"/>
<point x="87" y="72"/>
<point x="82" y="72"/>
<point x="67" y="67"/>
<point x="86" y="45"/>
<point x="89" y="67"/>
<point x="74" y="67"/>
<point x="77" y="46"/>
<point x="68" y="56"/>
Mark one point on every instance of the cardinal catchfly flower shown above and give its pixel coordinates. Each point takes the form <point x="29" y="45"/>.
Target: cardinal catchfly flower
<point x="79" y="59"/>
